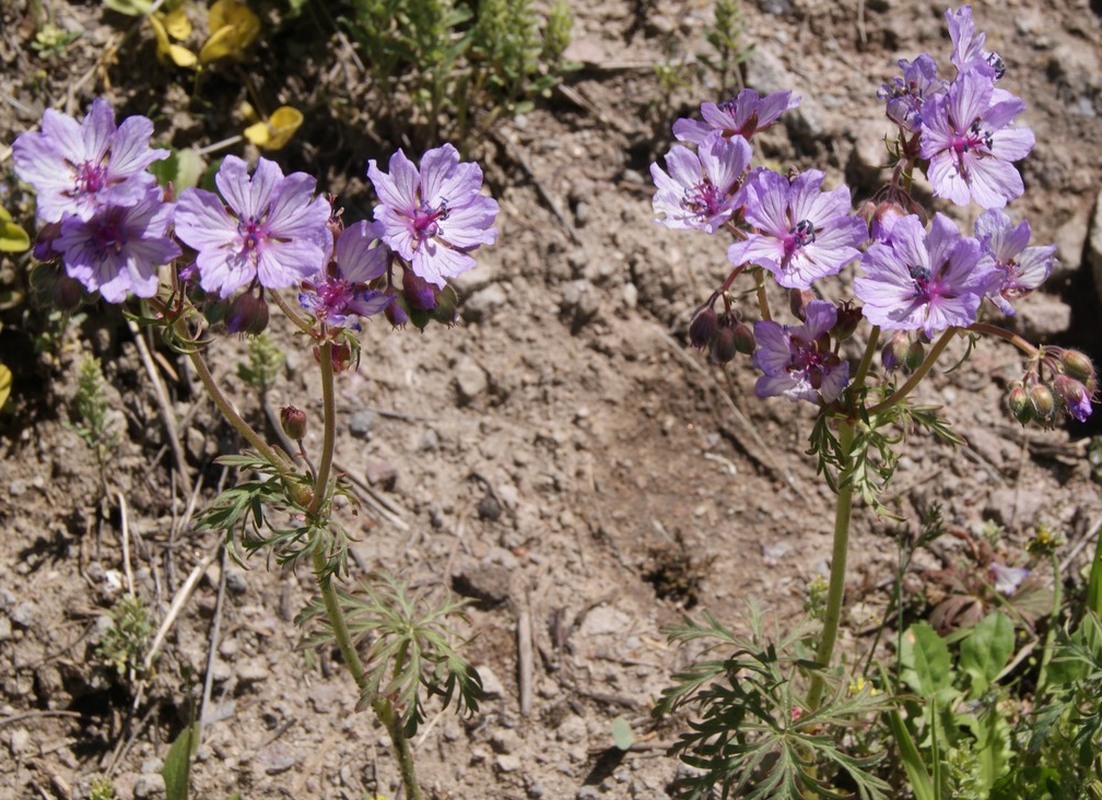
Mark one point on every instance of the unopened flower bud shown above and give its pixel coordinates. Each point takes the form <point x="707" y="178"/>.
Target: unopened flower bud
<point x="1074" y="396"/>
<point x="293" y="421"/>
<point x="342" y="357"/>
<point x="797" y="302"/>
<point x="1044" y="404"/>
<point x="723" y="345"/>
<point x="44" y="244"/>
<point x="848" y="320"/>
<point x="703" y="327"/>
<point x="447" y="305"/>
<point x="884" y="219"/>
<point x="744" y="339"/>
<point x="247" y="314"/>
<point x="916" y="352"/>
<point x="66" y="293"/>
<point x="1078" y="365"/>
<point x="894" y="354"/>
<point x="420" y="293"/>
<point x="397" y="313"/>
<point x="1017" y="400"/>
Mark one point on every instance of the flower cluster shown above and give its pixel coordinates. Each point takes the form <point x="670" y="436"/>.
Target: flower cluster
<point x="111" y="226"/>
<point x="916" y="278"/>
<point x="104" y="214"/>
<point x="962" y="128"/>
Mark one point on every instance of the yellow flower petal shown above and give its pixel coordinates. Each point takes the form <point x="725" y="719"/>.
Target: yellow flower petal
<point x="180" y="56"/>
<point x="244" y="24"/>
<point x="283" y="123"/>
<point x="258" y="133"/>
<point x="177" y="24"/>
<point x="277" y="130"/>
<point x="219" y="45"/>
<point x="5" y="384"/>
<point x="13" y="239"/>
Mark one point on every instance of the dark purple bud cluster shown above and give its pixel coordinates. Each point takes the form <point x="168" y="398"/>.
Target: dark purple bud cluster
<point x="724" y="335"/>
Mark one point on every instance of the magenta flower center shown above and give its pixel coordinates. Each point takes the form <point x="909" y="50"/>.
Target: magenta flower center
<point x="705" y="199"/>
<point x="110" y="235"/>
<point x="972" y="139"/>
<point x="801" y="235"/>
<point x="335" y="295"/>
<point x="251" y="232"/>
<point x="90" y="178"/>
<point x="426" y="220"/>
<point x="813" y="359"/>
<point x="923" y="283"/>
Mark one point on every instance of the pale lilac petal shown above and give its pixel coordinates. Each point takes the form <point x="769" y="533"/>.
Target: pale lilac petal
<point x="820" y="316"/>
<point x="441" y="180"/>
<point x="1013" y="144"/>
<point x="994" y="183"/>
<point x="201" y="219"/>
<point x="288" y="263"/>
<point x="434" y="263"/>
<point x="224" y="271"/>
<point x="948" y="182"/>
<point x="359" y="260"/>
<point x="130" y="151"/>
<point x="470" y="226"/>
<point x="772" y="352"/>
<point x="691" y="130"/>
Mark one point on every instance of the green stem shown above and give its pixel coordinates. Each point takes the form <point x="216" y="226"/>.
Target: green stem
<point x="1094" y="584"/>
<point x="329" y="425"/>
<point x="231" y="415"/>
<point x="1002" y="333"/>
<point x="381" y="706"/>
<point x="291" y="314"/>
<point x="918" y="375"/>
<point x="1050" y="636"/>
<point x="763" y="299"/>
<point x="866" y="359"/>
<point x="832" y="618"/>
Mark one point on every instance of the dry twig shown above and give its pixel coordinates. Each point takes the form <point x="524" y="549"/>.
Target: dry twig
<point x="524" y="659"/>
<point x="160" y="393"/>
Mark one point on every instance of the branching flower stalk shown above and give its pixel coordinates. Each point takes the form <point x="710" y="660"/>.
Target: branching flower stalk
<point x="921" y="283"/>
<point x="106" y="224"/>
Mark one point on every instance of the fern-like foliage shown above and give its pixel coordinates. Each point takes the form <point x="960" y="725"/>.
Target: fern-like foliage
<point x="412" y="652"/>
<point x="753" y="737"/>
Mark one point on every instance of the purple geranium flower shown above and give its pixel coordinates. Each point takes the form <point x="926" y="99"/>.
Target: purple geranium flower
<point x="968" y="52"/>
<point x="742" y="116"/>
<point x="340" y="294"/>
<point x="923" y="281"/>
<point x="797" y="359"/>
<point x="77" y="168"/>
<point x="1008" y="579"/>
<point x="434" y="217"/>
<point x="804" y="233"/>
<point x="273" y="229"/>
<point x="701" y="188"/>
<point x="904" y="96"/>
<point x="970" y="146"/>
<point x="117" y="251"/>
<point x="1021" y="269"/>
